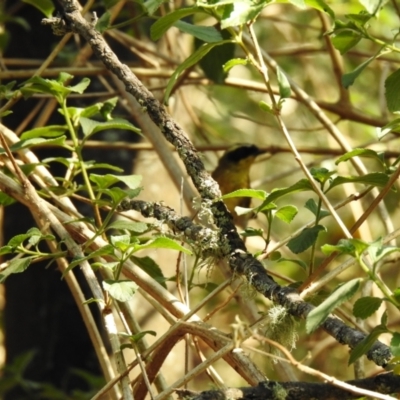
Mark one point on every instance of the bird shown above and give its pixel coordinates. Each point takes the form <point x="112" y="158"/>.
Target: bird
<point x="233" y="173"/>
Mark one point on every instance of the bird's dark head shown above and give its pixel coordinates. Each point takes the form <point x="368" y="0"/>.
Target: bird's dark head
<point x="240" y="152"/>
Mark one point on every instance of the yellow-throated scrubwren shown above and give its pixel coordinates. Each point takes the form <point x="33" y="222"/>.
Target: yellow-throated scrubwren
<point x="232" y="173"/>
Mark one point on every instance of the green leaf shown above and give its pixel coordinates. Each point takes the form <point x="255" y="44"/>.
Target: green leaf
<point x="343" y="293"/>
<point x="102" y="251"/>
<point x="103" y="23"/>
<point x="164" y="23"/>
<point x="265" y="107"/>
<point x="153" y="5"/>
<point x="91" y="126"/>
<point x="255" y="194"/>
<point x="163" y="243"/>
<point x="312" y="206"/>
<point x="240" y="12"/>
<point x="373" y="179"/>
<point x="46" y="131"/>
<point x="392" y="90"/>
<point x="16" y="266"/>
<point x="298" y="3"/>
<point x="191" y="60"/>
<point x="208" y="34"/>
<point x="306" y="238"/>
<point x="149" y="266"/>
<point x="44" y="6"/>
<point x="26" y="144"/>
<point x="366" y="306"/>
<point x="56" y="88"/>
<point x="283" y="84"/>
<point x="233" y="62"/>
<point x="251" y="232"/>
<point x="299" y="186"/>
<point x="121" y="242"/>
<point x="321" y="5"/>
<point x="122" y="290"/>
<point x="395" y="344"/>
<point x="345" y="40"/>
<point x="138" y="336"/>
<point x="391" y="126"/>
<point x="213" y="62"/>
<point x="137" y="227"/>
<point x="349" y="78"/>
<point x="321" y="175"/>
<point x="364" y="345"/>
<point x="6" y="200"/>
<point x="368" y="153"/>
<point x="372" y="6"/>
<point x="105" y="181"/>
<point x="300" y="263"/>
<point x="353" y="247"/>
<point x="286" y="213"/>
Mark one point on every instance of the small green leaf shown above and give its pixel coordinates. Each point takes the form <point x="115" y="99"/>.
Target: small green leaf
<point x="251" y="232"/>
<point x="353" y="247"/>
<point x="299" y="186"/>
<point x="212" y="63"/>
<point x="91" y="126"/>
<point x="149" y="266"/>
<point x="46" y="131"/>
<point x="343" y="293"/>
<point x="138" y="336"/>
<point x="391" y="126"/>
<point x="6" y="200"/>
<point x="233" y="62"/>
<point x="255" y="194"/>
<point x="306" y="238"/>
<point x="26" y="144"/>
<point x="312" y="206"/>
<point x="240" y="12"/>
<point x="137" y="227"/>
<point x="121" y="242"/>
<point x="105" y="181"/>
<point x="122" y="290"/>
<point x="208" y="34"/>
<point x="395" y="344"/>
<point x="16" y="266"/>
<point x="364" y="345"/>
<point x="193" y="59"/>
<point x="373" y="179"/>
<point x="321" y="175"/>
<point x="44" y="6"/>
<point x="298" y="3"/>
<point x="153" y="5"/>
<point x="103" y="23"/>
<point x="372" y="6"/>
<point x="283" y="84"/>
<point x="286" y="213"/>
<point x="366" y="306"/>
<point x="368" y="153"/>
<point x="102" y="251"/>
<point x="349" y="78"/>
<point x="265" y="107"/>
<point x="392" y="88"/>
<point x="321" y="5"/>
<point x="345" y="39"/>
<point x="164" y="23"/>
<point x="163" y="243"/>
<point x="300" y="263"/>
